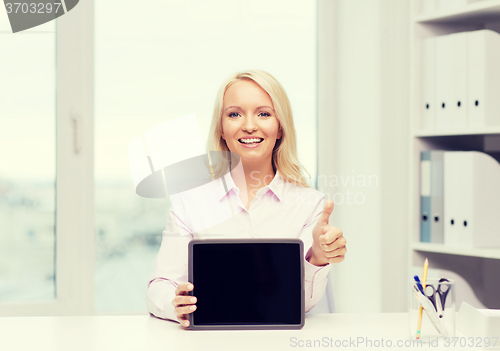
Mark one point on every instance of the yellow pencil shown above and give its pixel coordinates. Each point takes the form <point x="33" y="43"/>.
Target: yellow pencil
<point x="424" y="280"/>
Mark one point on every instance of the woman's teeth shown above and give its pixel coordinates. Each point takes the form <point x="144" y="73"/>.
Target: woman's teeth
<point x="250" y="141"/>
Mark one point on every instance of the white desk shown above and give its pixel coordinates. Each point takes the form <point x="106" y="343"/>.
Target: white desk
<point x="148" y="333"/>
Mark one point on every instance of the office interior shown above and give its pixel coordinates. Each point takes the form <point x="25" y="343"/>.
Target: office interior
<point x="76" y="240"/>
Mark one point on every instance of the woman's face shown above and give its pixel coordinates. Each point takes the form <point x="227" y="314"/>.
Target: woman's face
<point x="249" y="124"/>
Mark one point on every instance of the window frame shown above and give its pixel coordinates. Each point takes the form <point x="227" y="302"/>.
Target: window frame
<point x="74" y="212"/>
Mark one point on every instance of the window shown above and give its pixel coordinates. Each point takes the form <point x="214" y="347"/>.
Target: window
<point x="46" y="166"/>
<point x="72" y="193"/>
<point x="27" y="163"/>
<point x="161" y="60"/>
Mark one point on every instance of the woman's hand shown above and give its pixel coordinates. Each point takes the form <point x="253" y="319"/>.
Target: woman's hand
<point x="184" y="303"/>
<point x="329" y="244"/>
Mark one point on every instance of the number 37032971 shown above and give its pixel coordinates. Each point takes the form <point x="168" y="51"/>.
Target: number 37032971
<point x="471" y="342"/>
<point x="23" y="7"/>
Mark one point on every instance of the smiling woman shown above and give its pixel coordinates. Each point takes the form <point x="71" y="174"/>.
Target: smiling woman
<point x="249" y="128"/>
<point x="159" y="61"/>
<point x="252" y="118"/>
<point x="253" y="104"/>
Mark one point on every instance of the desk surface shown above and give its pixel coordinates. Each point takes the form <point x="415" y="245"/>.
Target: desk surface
<point x="88" y="333"/>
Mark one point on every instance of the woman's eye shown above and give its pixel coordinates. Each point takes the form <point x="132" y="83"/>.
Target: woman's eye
<point x="233" y="114"/>
<point x="264" y="114"/>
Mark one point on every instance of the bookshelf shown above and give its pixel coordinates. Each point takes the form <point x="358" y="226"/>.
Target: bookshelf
<point x="477" y="12"/>
<point x="436" y="133"/>
<point x="459" y="251"/>
<point x="477" y="267"/>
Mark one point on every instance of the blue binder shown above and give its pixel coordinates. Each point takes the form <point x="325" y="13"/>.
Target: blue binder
<point x="437" y="205"/>
<point x="425" y="196"/>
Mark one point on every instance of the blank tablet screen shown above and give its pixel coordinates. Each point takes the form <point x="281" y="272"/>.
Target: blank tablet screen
<point x="247" y="283"/>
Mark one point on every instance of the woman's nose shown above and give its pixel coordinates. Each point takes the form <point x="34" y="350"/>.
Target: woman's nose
<point x="249" y="125"/>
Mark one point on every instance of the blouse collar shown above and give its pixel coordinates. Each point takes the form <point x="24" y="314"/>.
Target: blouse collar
<point x="227" y="183"/>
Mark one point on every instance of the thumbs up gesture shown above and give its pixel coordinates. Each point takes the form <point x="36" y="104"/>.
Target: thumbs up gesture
<point x="329" y="244"/>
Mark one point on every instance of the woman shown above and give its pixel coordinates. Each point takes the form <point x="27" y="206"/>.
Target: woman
<point x="266" y="192"/>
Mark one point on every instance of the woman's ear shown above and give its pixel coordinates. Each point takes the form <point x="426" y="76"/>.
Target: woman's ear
<point x="280" y="133"/>
<point x="222" y="131"/>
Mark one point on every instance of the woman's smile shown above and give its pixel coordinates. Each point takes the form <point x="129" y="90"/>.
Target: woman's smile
<point x="251" y="142"/>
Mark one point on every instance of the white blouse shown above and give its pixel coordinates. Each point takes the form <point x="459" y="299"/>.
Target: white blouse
<point x="215" y="210"/>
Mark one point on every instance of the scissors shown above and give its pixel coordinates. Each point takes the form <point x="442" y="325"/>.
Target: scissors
<point x="429" y="309"/>
<point x="438" y="296"/>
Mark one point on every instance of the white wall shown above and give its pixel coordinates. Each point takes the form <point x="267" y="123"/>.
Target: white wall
<point x="167" y="58"/>
<point x="370" y="139"/>
<point x="395" y="143"/>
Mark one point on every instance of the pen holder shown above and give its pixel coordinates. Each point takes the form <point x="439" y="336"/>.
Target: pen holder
<point x="437" y="319"/>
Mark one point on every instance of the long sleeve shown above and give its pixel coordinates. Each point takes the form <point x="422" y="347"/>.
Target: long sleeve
<point x="171" y="268"/>
<point x="316" y="278"/>
<point x="289" y="211"/>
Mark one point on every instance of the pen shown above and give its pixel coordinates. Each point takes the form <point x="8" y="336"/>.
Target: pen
<point x="417" y="280"/>
<point x="431" y="312"/>
<point x="424" y="280"/>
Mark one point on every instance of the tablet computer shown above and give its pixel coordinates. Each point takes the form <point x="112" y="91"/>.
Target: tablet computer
<point x="247" y="283"/>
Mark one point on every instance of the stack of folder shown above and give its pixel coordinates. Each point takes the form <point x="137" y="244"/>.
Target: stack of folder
<point x="461" y="80"/>
<point x="480" y="323"/>
<point x="459" y="199"/>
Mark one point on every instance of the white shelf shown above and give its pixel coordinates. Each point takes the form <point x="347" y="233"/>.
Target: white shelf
<point x="479" y="15"/>
<point x="436" y="133"/>
<point x="474" y="13"/>
<point x="441" y="248"/>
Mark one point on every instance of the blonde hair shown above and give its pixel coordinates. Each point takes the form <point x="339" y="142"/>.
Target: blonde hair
<point x="284" y="157"/>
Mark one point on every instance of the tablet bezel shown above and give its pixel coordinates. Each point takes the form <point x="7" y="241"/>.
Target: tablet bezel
<point x="245" y="241"/>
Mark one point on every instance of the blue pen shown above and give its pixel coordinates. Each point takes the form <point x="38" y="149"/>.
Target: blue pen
<point x="419" y="284"/>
